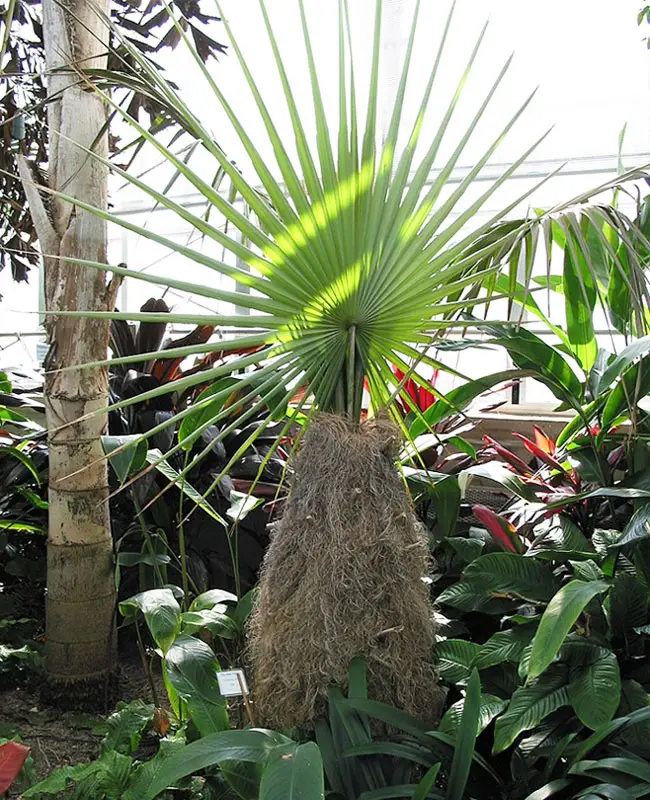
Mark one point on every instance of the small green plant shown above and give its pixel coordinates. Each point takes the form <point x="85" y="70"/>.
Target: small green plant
<point x="189" y="664"/>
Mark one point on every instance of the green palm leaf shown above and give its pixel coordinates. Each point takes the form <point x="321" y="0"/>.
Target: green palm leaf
<point x="355" y="258"/>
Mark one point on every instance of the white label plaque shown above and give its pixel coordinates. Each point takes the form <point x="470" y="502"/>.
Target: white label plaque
<point x="231" y="682"/>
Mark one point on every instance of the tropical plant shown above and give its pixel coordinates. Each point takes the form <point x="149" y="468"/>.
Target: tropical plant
<point x="189" y="664"/>
<point x="347" y="274"/>
<point x="552" y="608"/>
<point x="348" y="759"/>
<point x="220" y="539"/>
<point x="23" y="504"/>
<point x="23" y="104"/>
<point x="603" y="255"/>
<point x="353" y="264"/>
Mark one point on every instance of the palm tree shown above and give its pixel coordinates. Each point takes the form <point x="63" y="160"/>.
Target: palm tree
<point x="356" y="260"/>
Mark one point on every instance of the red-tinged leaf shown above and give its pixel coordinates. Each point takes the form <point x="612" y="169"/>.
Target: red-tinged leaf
<point x="616" y="456"/>
<point x="166" y="370"/>
<point x="12" y="757"/>
<point x="538" y="452"/>
<point x="539" y="486"/>
<point x="508" y="456"/>
<point x="543" y="441"/>
<point x="502" y="532"/>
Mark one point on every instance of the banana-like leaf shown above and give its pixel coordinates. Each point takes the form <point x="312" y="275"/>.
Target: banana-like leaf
<point x="558" y="619"/>
<point x="161" y="612"/>
<point x="529" y="706"/>
<point x="595" y="691"/>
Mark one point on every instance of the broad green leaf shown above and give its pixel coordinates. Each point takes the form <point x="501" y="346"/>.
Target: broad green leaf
<point x="633" y="697"/>
<point x="244" y="608"/>
<point x="192" y="668"/>
<point x="558" y="619"/>
<point x="126" y="454"/>
<point x="640" y="716"/>
<point x="255" y="746"/>
<point x="637" y="528"/>
<point x="580" y="301"/>
<point x="213" y="598"/>
<point x="530" y="353"/>
<point x="558" y="535"/>
<point x="458" y="399"/>
<point x="499" y="473"/>
<point x="211" y="619"/>
<point x="586" y="571"/>
<point x="7" y="451"/>
<point x="241" y="505"/>
<point x="466" y="548"/>
<point x="565" y="500"/>
<point x="622" y="361"/>
<point x="628" y="605"/>
<point x="490" y="707"/>
<point x="628" y="767"/>
<point x="469" y="595"/>
<point x="145" y="774"/>
<point x="505" y="646"/>
<point x="621" y="402"/>
<point x="296" y="775"/>
<point x="529" y="706"/>
<point x="61" y="779"/>
<point x="205" y="413"/>
<point x="512" y="575"/>
<point x="243" y="778"/>
<point x="124" y="726"/>
<point x="161" y="612"/>
<point x="455" y="659"/>
<point x="443" y="491"/>
<point x="618" y="293"/>
<point x="596" y="690"/>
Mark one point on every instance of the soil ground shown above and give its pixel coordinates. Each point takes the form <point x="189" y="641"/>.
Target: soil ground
<point x="58" y="738"/>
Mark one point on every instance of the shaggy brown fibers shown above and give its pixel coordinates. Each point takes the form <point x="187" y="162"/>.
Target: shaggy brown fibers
<point x="343" y="578"/>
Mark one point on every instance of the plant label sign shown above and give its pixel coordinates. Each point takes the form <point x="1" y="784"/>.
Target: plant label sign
<point x="232" y="683"/>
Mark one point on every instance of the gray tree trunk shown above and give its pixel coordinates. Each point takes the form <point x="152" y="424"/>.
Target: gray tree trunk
<point x="80" y="640"/>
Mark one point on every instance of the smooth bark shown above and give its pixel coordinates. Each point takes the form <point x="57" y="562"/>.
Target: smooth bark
<point x="80" y="585"/>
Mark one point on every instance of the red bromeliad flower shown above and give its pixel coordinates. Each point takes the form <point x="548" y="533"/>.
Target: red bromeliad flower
<point x="543" y="448"/>
<point x="422" y="398"/>
<point x="500" y="529"/>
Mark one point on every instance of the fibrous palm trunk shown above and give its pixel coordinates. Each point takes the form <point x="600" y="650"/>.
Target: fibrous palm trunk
<point x="80" y="586"/>
<point x="344" y="577"/>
